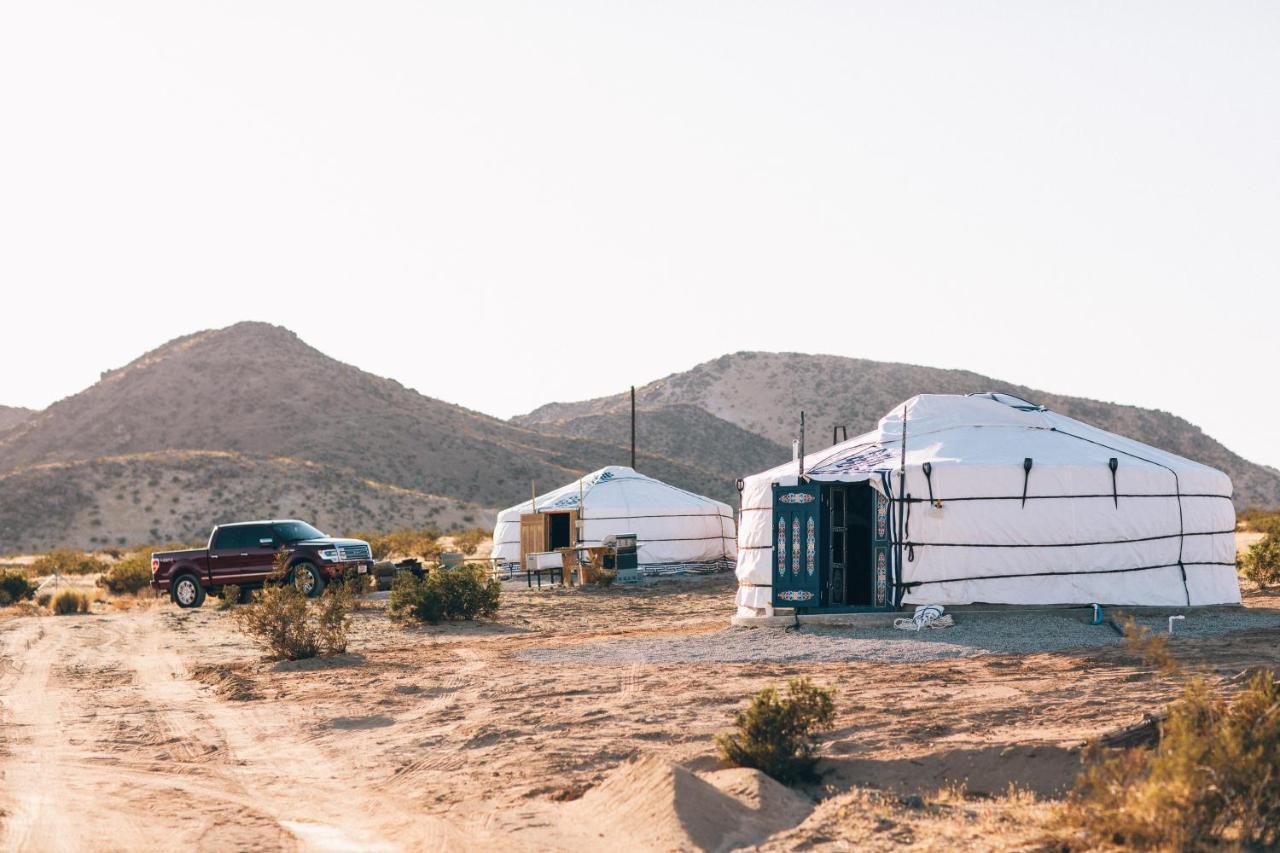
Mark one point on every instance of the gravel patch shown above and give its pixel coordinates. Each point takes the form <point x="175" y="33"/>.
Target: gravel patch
<point x="972" y="635"/>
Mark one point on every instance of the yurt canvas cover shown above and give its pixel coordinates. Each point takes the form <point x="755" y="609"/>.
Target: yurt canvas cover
<point x="676" y="530"/>
<point x="1003" y="502"/>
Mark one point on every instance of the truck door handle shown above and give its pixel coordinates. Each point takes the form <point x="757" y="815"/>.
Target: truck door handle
<point x="244" y="553"/>
<point x="213" y="556"/>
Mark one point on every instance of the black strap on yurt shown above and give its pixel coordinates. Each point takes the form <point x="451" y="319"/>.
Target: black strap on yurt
<point x="1026" y="478"/>
<point x="906" y="530"/>
<point x="927" y="468"/>
<point x="1177" y="487"/>
<point x="1114" y="463"/>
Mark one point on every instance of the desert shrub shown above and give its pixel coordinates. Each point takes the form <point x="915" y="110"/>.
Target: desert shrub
<point x="15" y="586"/>
<point x="468" y="541"/>
<point x="290" y="628"/>
<point x="43" y="599"/>
<point x="71" y="601"/>
<point x="462" y="593"/>
<point x="131" y="574"/>
<point x="1151" y="646"/>
<point x="403" y="542"/>
<point x="777" y="734"/>
<point x="1261" y="520"/>
<point x="67" y="561"/>
<point x="230" y="597"/>
<point x="1261" y="563"/>
<point x="1214" y="777"/>
<point x="333" y="617"/>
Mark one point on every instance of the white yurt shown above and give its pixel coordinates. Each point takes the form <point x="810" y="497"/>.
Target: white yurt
<point x="676" y="530"/>
<point x="1000" y="501"/>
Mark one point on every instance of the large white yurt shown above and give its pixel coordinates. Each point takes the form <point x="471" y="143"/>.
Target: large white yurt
<point x="1000" y="501"/>
<point x="676" y="530"/>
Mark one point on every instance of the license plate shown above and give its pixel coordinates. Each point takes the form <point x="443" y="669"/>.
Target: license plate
<point x="361" y="569"/>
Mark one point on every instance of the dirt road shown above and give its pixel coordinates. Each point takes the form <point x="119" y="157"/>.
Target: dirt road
<point x="111" y="745"/>
<point x="154" y="728"/>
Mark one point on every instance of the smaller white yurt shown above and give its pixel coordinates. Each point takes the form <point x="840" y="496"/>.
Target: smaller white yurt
<point x="677" y="531"/>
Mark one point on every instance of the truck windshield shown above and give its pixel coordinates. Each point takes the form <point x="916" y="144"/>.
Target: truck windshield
<point x="296" y="531"/>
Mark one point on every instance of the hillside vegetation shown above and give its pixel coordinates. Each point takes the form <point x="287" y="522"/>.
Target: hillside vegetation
<point x="763" y="394"/>
<point x="178" y="496"/>
<point x="11" y="416"/>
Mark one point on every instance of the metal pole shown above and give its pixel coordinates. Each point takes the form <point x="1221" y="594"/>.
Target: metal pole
<point x="633" y="427"/>
<point x="533" y="496"/>
<point x="902" y="492"/>
<point x="801" y="463"/>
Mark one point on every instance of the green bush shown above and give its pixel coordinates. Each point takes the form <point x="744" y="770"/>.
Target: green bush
<point x="462" y="593"/>
<point x="130" y="575"/>
<point x="778" y="735"/>
<point x="1213" y="778"/>
<point x="1261" y="563"/>
<point x="14" y="587"/>
<point x="289" y="627"/>
<point x="71" y="601"/>
<point x="67" y="561"/>
<point x="1261" y="520"/>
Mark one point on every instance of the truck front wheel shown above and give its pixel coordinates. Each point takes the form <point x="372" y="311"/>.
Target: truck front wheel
<point x="186" y="591"/>
<point x="308" y="580"/>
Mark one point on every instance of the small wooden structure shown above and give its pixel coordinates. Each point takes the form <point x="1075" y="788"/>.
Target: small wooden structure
<point x="547" y="531"/>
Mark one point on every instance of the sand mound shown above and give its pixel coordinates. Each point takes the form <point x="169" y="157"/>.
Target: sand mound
<point x="651" y="804"/>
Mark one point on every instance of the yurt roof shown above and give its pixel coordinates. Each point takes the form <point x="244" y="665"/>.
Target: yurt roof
<point x="984" y="429"/>
<point x="622" y="489"/>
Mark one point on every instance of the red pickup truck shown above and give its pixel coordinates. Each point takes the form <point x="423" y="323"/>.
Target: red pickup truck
<point x="245" y="553"/>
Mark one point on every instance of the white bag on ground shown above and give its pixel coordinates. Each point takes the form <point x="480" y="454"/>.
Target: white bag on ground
<point x="926" y="616"/>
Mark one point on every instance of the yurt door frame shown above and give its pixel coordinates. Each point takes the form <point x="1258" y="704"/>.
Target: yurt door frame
<point x="539" y="531"/>
<point x="831" y="547"/>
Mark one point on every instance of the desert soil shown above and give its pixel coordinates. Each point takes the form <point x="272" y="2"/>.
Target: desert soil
<point x="154" y="728"/>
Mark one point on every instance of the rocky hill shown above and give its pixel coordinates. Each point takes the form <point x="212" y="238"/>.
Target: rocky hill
<point x="763" y="394"/>
<point x="11" y="416"/>
<point x="258" y="392"/>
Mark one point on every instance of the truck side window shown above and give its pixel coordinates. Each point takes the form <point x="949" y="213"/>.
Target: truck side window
<point x="255" y="534"/>
<point x="228" y="538"/>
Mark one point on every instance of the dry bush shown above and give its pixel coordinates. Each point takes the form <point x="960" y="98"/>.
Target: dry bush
<point x="67" y="561"/>
<point x="71" y="601"/>
<point x="44" y="599"/>
<point x="468" y="541"/>
<point x="1261" y="520"/>
<point x="131" y="575"/>
<point x="15" y="586"/>
<point x="462" y="593"/>
<point x="1261" y="563"/>
<point x="777" y="734"/>
<point x="230" y="597"/>
<point x="290" y="628"/>
<point x="403" y="542"/>
<point x="1151" y="646"/>
<point x="333" y="617"/>
<point x="1213" y="781"/>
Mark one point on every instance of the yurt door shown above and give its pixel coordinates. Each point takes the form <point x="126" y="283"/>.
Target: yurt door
<point x="797" y="530"/>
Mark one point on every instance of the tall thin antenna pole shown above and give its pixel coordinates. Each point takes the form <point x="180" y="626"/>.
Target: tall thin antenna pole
<point x="902" y="493"/>
<point x="633" y="427"/>
<point x="533" y="496"/>
<point x="801" y="462"/>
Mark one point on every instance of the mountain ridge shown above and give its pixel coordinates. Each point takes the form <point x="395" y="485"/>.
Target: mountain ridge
<point x="764" y="392"/>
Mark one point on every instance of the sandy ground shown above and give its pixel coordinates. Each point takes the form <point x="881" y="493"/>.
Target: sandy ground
<point x="156" y="728"/>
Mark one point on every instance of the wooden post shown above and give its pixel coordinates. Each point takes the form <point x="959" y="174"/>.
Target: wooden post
<point x="633" y="427"/>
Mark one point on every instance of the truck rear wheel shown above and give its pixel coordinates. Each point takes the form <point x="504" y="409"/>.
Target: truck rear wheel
<point x="186" y="591"/>
<point x="308" y="580"/>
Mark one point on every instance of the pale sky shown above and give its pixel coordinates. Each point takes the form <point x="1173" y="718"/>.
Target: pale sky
<point x="1082" y="197"/>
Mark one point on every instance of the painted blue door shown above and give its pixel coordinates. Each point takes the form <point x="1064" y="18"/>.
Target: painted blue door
<point x="797" y="530"/>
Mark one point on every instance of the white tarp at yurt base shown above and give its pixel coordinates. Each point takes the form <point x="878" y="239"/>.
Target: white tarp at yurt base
<point x="676" y="530"/>
<point x="1105" y="519"/>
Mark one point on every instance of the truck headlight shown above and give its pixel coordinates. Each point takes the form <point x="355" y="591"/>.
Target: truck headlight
<point x="330" y="554"/>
